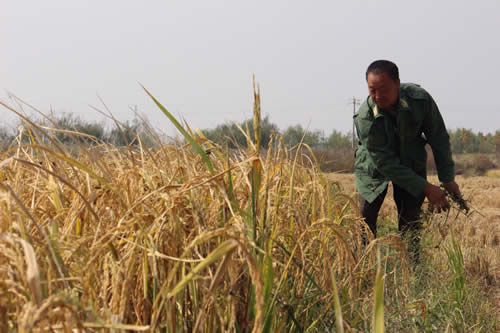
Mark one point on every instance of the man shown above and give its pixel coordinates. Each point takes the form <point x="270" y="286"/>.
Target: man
<point x="393" y="125"/>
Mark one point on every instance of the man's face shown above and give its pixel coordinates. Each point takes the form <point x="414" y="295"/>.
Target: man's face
<point x="383" y="90"/>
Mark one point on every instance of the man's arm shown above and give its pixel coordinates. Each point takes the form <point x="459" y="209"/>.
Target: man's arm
<point x="388" y="164"/>
<point x="439" y="140"/>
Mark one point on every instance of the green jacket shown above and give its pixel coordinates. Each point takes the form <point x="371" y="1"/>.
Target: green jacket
<point x="380" y="158"/>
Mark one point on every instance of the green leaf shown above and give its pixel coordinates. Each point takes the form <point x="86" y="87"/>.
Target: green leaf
<point x="197" y="147"/>
<point x="224" y="249"/>
<point x="339" y="322"/>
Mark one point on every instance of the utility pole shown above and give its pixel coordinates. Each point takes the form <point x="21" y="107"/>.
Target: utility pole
<point x="355" y="101"/>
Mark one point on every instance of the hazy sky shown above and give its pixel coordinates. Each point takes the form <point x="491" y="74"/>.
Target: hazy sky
<point x="197" y="57"/>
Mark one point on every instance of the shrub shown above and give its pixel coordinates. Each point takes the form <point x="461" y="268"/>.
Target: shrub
<point x="335" y="160"/>
<point x="6" y="137"/>
<point x="482" y="164"/>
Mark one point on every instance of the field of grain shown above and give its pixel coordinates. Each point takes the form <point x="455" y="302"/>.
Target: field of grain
<point x="192" y="237"/>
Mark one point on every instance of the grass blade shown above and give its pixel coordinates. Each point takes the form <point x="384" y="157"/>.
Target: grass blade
<point x="378" y="310"/>
<point x="223" y="249"/>
<point x="339" y="322"/>
<point x="197" y="147"/>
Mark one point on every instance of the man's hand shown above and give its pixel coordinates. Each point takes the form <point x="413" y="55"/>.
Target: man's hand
<point x="436" y="197"/>
<point x="452" y="188"/>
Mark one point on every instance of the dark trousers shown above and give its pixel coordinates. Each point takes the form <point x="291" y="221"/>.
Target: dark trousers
<point x="409" y="222"/>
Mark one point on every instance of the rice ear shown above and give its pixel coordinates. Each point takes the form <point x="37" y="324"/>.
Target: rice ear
<point x="32" y="271"/>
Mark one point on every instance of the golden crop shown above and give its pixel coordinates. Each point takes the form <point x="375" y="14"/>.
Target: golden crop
<point x="175" y="239"/>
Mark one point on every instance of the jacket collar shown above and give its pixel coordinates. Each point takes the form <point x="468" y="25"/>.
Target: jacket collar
<point x="403" y="105"/>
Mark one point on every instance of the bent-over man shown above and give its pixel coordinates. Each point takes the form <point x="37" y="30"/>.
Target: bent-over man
<point x="393" y="126"/>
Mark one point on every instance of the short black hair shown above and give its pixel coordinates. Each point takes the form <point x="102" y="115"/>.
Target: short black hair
<point x="384" y="66"/>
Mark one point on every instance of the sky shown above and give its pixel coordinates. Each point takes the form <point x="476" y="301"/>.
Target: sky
<point x="198" y="57"/>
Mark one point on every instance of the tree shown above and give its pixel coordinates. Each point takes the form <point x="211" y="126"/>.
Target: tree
<point x="496" y="140"/>
<point x="6" y="137"/>
<point x="339" y="141"/>
<point x="464" y="140"/>
<point x="70" y="122"/>
<point x="128" y="132"/>
<point x="294" y="134"/>
<point x="230" y="134"/>
<point x="486" y="144"/>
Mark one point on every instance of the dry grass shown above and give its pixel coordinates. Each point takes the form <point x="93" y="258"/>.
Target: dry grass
<point x="493" y="173"/>
<point x="174" y="239"/>
<point x="169" y="238"/>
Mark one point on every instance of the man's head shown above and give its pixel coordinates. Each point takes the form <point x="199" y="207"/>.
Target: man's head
<point x="382" y="77"/>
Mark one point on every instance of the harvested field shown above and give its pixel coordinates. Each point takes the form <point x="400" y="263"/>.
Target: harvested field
<point x="478" y="234"/>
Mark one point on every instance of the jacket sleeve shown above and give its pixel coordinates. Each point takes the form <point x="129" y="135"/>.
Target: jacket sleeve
<point x="387" y="162"/>
<point x="439" y="140"/>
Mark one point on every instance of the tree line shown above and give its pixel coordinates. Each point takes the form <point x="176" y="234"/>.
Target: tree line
<point x="67" y="125"/>
<point x="230" y="133"/>
<point x="462" y="140"/>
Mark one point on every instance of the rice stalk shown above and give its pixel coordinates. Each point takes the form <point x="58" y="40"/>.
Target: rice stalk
<point x="378" y="304"/>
